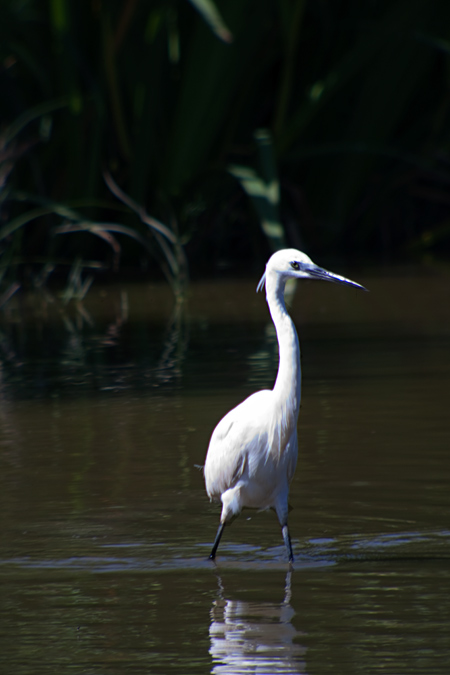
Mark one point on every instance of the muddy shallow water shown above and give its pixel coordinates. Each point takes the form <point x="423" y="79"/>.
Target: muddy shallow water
<point x="105" y="411"/>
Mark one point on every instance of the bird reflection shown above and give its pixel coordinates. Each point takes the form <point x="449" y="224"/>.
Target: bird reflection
<point x="255" y="637"/>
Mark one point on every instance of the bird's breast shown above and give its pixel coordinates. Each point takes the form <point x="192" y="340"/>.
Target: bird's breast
<point x="253" y="442"/>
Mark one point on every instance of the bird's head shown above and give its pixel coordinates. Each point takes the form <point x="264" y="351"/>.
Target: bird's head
<point x="292" y="264"/>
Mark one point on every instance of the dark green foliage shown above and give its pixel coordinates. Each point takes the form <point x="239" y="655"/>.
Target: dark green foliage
<point x="168" y="96"/>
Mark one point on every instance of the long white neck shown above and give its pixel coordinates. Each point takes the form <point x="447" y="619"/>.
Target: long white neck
<point x="287" y="388"/>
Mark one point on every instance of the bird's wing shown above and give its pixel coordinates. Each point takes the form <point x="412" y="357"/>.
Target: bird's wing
<point x="291" y="453"/>
<point x="231" y="444"/>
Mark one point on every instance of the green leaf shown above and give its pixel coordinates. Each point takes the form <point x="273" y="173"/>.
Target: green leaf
<point x="213" y="18"/>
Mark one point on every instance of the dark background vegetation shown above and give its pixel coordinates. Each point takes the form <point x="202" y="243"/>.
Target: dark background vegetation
<point x="318" y="124"/>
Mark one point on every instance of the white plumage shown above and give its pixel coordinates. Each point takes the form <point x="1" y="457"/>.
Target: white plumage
<point x="252" y="453"/>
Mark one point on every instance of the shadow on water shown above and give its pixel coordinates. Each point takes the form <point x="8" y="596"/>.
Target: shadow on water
<point x="106" y="528"/>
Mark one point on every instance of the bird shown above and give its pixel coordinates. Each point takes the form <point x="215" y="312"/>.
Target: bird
<point x="252" y="453"/>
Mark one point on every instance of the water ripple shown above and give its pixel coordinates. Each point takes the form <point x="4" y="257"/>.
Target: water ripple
<point x="314" y="553"/>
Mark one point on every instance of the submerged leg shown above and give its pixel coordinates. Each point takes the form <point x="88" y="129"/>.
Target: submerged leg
<point x="212" y="555"/>
<point x="287" y="542"/>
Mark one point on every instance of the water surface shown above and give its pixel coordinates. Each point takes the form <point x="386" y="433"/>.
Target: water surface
<point x="105" y="411"/>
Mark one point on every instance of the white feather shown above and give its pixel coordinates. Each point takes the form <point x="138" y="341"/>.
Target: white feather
<point x="252" y="453"/>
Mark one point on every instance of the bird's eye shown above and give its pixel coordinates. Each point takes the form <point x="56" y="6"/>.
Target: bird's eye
<point x="295" y="265"/>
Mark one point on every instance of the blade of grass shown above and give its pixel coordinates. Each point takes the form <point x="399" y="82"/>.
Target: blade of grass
<point x="208" y="10"/>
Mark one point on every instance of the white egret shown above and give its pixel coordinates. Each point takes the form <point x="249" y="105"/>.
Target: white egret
<point x="252" y="453"/>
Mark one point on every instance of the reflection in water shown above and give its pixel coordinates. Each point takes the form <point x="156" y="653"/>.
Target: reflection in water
<point x="104" y="342"/>
<point x="254" y="637"/>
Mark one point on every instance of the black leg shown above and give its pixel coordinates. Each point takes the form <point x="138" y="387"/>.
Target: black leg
<point x="287" y="541"/>
<point x="217" y="541"/>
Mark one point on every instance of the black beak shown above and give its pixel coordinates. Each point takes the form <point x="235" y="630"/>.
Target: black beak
<point x="315" y="272"/>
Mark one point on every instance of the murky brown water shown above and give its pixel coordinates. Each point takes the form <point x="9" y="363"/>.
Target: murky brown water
<point x="106" y="527"/>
